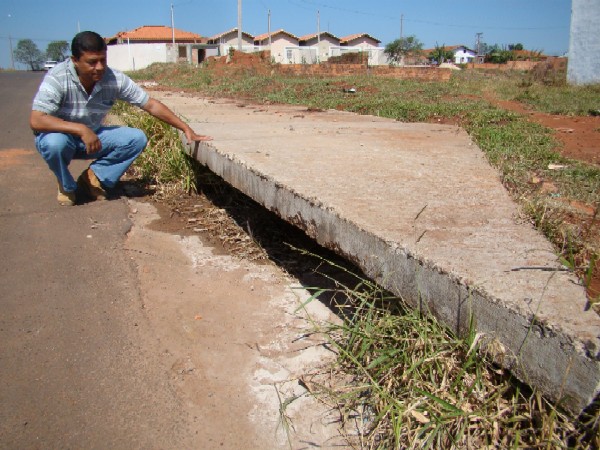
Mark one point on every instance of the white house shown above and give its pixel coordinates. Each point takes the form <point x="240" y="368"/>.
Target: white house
<point x="138" y="48"/>
<point x="362" y="42"/>
<point x="280" y="43"/>
<point x="229" y="40"/>
<point x="320" y="44"/>
<point x="462" y="54"/>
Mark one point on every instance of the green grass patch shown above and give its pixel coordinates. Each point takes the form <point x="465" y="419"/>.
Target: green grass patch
<point x="408" y="382"/>
<point x="164" y="162"/>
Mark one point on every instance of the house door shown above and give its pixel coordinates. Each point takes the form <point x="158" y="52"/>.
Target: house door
<point x="201" y="55"/>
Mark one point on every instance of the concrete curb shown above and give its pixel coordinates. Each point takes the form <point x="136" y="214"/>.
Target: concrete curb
<point x="530" y="312"/>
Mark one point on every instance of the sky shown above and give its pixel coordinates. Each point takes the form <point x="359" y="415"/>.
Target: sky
<point x="540" y="25"/>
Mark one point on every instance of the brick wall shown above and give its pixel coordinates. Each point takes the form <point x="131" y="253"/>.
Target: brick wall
<point x="419" y="73"/>
<point x="509" y="65"/>
<point x="260" y="63"/>
<point x="332" y="70"/>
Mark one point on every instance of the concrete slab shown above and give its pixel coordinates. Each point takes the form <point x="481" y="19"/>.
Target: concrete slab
<point x="419" y="209"/>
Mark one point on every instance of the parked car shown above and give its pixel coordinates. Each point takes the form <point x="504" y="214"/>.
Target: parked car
<point x="49" y="65"/>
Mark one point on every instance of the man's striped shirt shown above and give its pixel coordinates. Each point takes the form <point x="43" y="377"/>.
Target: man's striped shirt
<point x="62" y="95"/>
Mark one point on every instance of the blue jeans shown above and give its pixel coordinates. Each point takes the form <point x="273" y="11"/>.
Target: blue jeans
<point x="120" y="147"/>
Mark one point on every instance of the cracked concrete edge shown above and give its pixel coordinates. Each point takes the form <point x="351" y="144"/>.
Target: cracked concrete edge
<point x="557" y="362"/>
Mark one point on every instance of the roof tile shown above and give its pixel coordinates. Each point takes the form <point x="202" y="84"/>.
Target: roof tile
<point x="156" y="33"/>
<point x="356" y="36"/>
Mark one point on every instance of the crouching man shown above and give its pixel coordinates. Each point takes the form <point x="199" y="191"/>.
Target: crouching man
<point x="68" y="113"/>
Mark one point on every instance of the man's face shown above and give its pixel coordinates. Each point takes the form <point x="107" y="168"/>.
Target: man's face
<point x="90" y="66"/>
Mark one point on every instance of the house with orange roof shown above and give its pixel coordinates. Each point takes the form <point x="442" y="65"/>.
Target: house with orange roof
<point x="229" y="40"/>
<point x="152" y="34"/>
<point x="364" y="43"/>
<point x="280" y="43"/>
<point x="320" y="44"/>
<point x="361" y="40"/>
<point x="142" y="46"/>
<point x="138" y="48"/>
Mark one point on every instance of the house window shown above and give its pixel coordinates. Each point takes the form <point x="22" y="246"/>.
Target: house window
<point x="182" y="51"/>
<point x="289" y="54"/>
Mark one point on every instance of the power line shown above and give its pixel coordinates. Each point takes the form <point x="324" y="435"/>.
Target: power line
<point x="17" y="38"/>
<point x="353" y="11"/>
<point x="263" y="5"/>
<point x="427" y="22"/>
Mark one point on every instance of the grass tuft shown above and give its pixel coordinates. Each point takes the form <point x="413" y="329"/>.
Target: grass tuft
<point x="164" y="162"/>
<point x="411" y="383"/>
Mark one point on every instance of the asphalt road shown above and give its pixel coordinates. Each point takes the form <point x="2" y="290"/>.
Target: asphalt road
<point x="79" y="368"/>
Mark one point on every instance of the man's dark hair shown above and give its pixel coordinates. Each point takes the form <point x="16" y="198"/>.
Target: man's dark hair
<point x="87" y="41"/>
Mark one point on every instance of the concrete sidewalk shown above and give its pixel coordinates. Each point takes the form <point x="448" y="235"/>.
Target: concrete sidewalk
<point x="419" y="209"/>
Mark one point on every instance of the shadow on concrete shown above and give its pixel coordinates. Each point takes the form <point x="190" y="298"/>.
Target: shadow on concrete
<point x="314" y="266"/>
<point x="125" y="189"/>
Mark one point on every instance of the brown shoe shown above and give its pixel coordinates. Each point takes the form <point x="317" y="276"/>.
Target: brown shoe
<point x="65" y="198"/>
<point x="91" y="185"/>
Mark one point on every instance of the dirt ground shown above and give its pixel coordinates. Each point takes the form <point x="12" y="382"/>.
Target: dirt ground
<point x="579" y="138"/>
<point x="578" y="135"/>
<point x="241" y="351"/>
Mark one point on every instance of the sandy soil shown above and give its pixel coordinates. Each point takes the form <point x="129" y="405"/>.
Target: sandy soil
<point x="579" y="137"/>
<point x="239" y="351"/>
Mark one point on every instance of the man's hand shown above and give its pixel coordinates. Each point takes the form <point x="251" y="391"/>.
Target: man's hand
<point x="91" y="141"/>
<point x="162" y="112"/>
<point x="191" y="136"/>
<point x="46" y="123"/>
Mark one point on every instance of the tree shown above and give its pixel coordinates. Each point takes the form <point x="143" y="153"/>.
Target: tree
<point x="57" y="50"/>
<point x="400" y="48"/>
<point x="484" y="48"/>
<point x="440" y="54"/>
<point x="498" y="55"/>
<point x="515" y="46"/>
<point x="28" y="53"/>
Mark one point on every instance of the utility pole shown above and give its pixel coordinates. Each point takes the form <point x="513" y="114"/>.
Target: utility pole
<point x="269" y="28"/>
<point x="240" y="25"/>
<point x="172" y="25"/>
<point x="478" y="43"/>
<point x="401" y="26"/>
<point x="318" y="35"/>
<point x="318" y="27"/>
<point x="12" y="57"/>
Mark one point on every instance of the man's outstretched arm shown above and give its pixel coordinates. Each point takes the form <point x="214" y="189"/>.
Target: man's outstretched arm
<point x="162" y="112"/>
